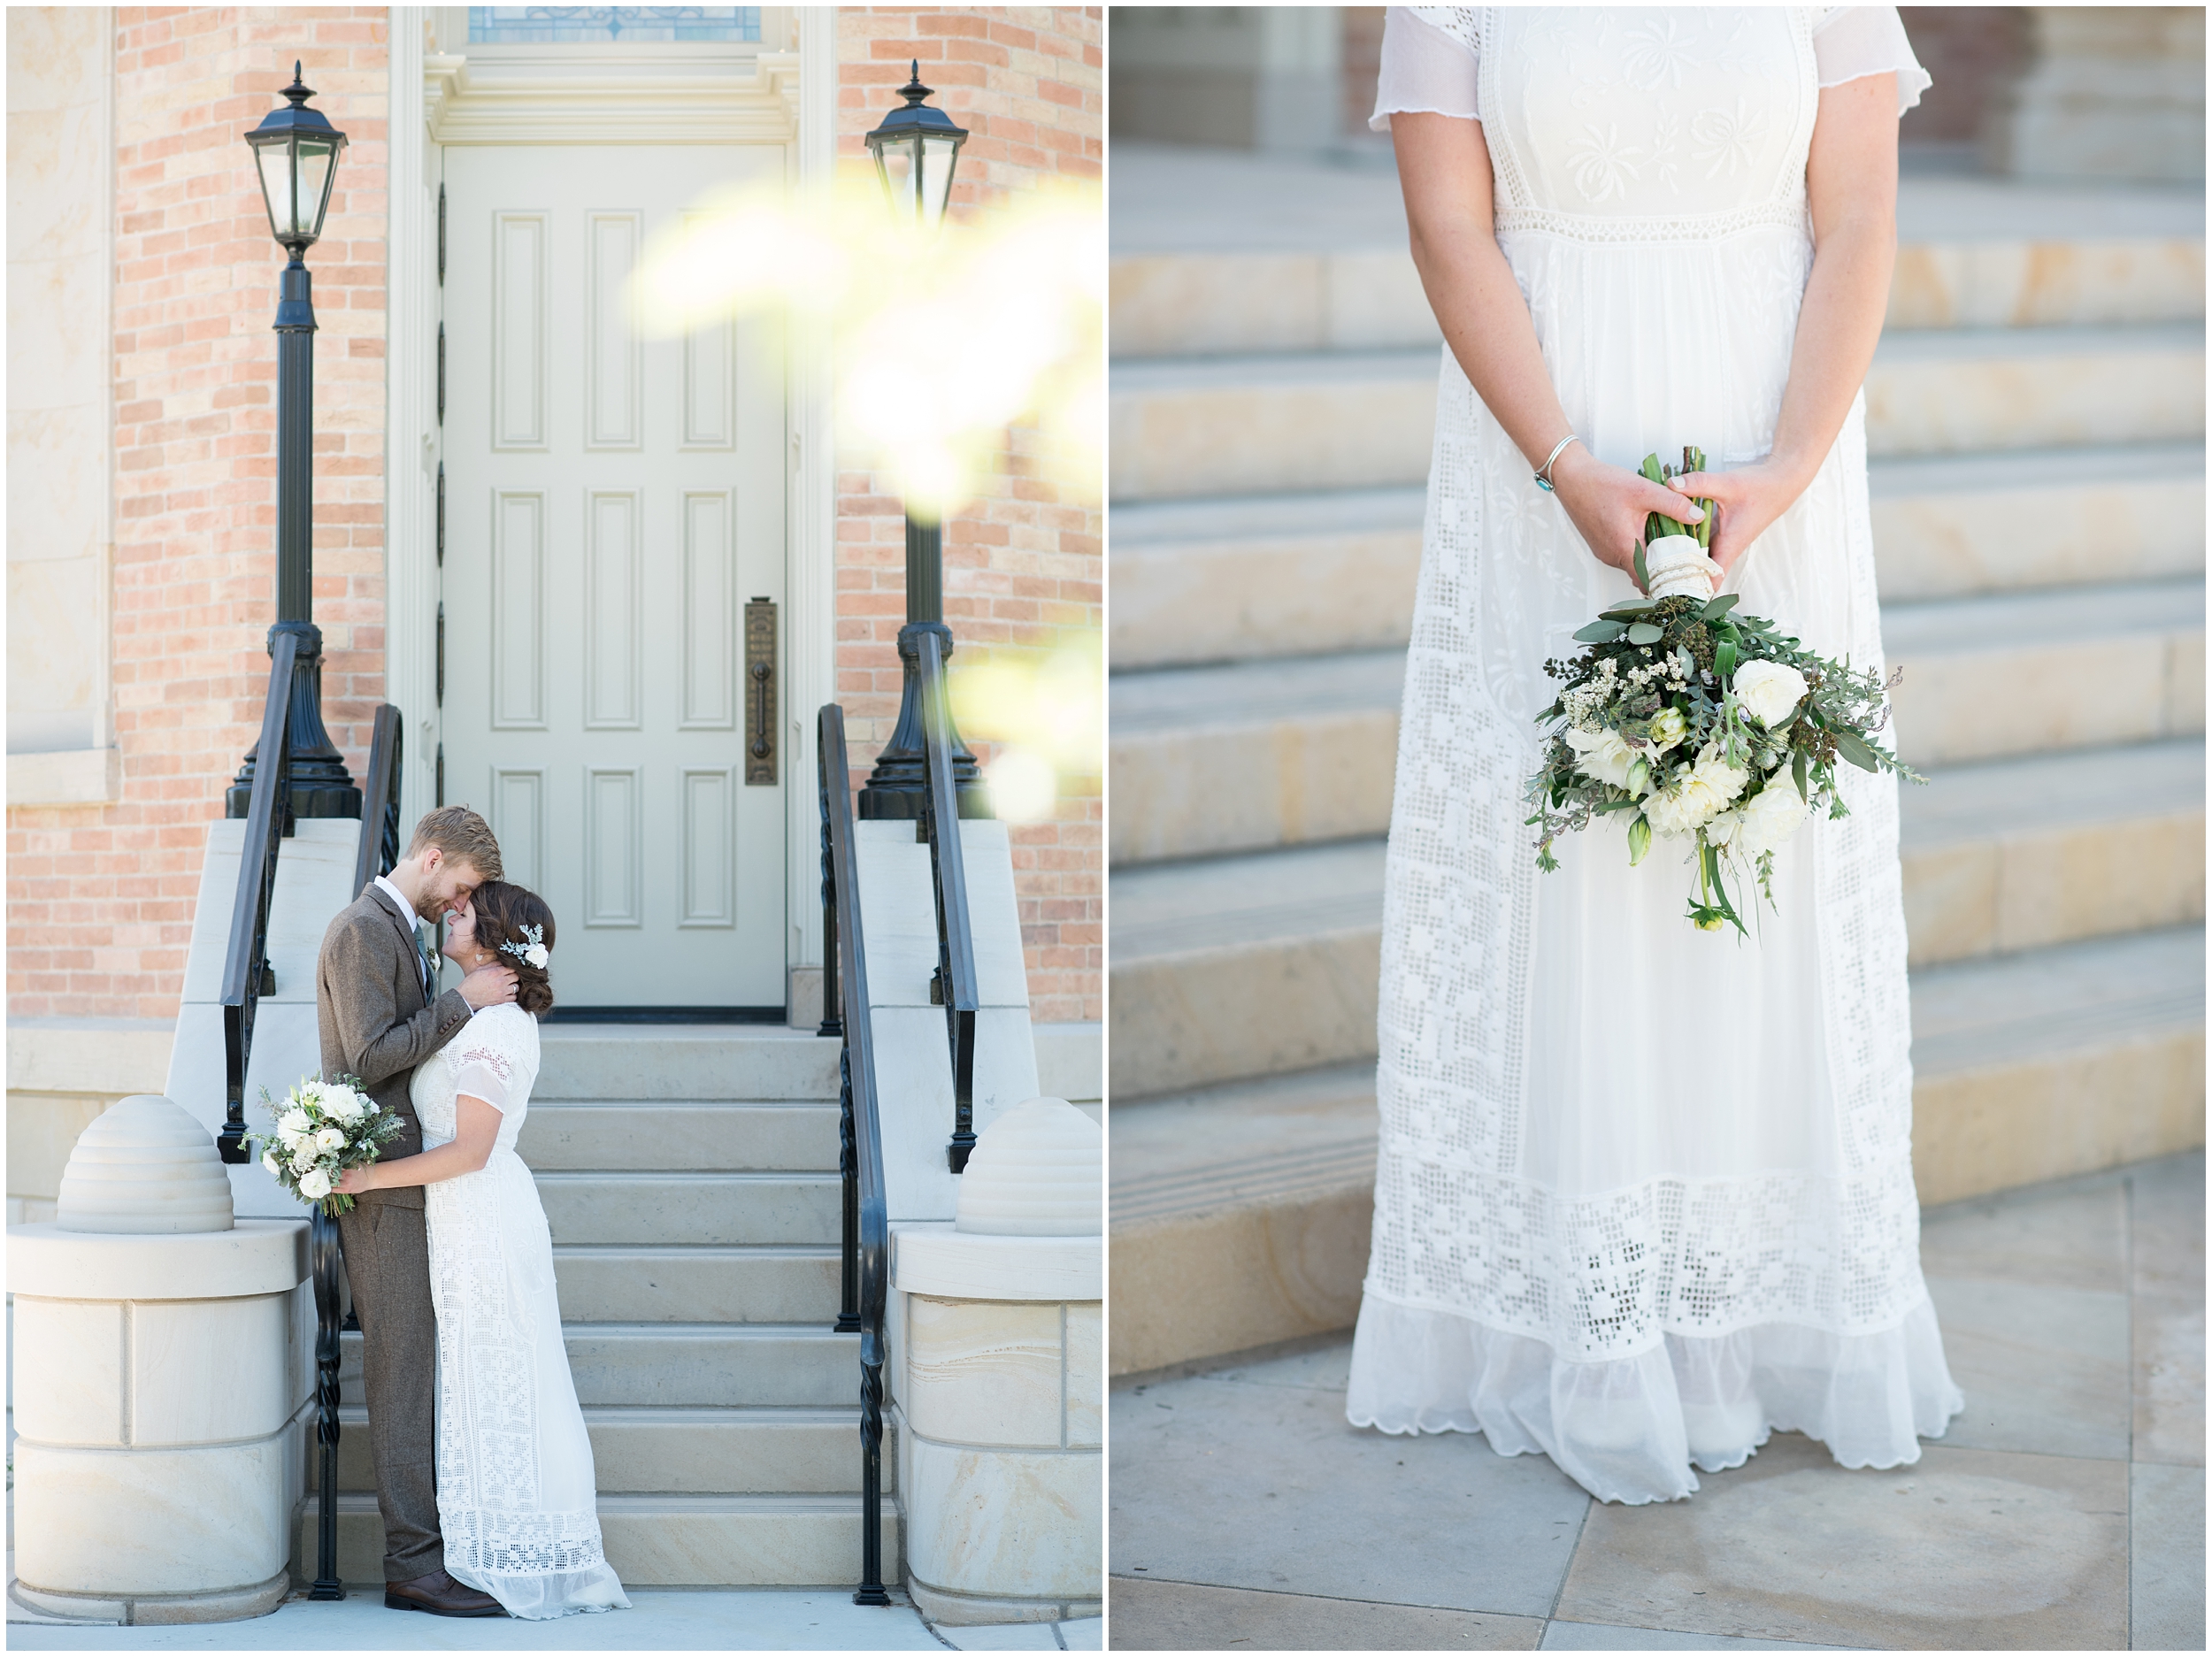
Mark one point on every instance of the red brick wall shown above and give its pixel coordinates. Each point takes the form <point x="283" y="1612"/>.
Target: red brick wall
<point x="1023" y="564"/>
<point x="100" y="898"/>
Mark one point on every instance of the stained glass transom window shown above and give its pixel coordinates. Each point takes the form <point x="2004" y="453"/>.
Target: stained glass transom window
<point x="504" y="26"/>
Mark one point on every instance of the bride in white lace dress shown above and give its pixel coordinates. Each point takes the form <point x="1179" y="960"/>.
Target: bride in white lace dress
<point x="517" y="1498"/>
<point x="1645" y="1193"/>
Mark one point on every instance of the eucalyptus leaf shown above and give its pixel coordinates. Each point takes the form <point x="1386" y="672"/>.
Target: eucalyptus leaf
<point x="1627" y="609"/>
<point x="1643" y="571"/>
<point x="1643" y="632"/>
<point x="1857" y="752"/>
<point x="1719" y="607"/>
<point x="1602" y="632"/>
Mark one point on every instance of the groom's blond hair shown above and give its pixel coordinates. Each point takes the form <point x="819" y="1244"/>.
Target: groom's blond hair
<point x="463" y="836"/>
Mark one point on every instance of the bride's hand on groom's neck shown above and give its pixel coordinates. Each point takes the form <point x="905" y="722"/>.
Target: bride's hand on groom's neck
<point x="488" y="986"/>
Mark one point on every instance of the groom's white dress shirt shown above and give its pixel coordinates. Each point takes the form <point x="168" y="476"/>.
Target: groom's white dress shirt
<point x="422" y="967"/>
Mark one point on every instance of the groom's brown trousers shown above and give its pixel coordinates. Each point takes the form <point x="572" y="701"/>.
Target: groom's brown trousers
<point x="370" y="1010"/>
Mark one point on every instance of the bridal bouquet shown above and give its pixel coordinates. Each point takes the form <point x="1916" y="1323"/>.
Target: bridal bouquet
<point x="1700" y="723"/>
<point x="323" y="1129"/>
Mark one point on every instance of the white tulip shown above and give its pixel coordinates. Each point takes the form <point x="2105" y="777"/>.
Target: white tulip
<point x="1769" y="691"/>
<point x="316" y="1186"/>
<point x="269" y="1160"/>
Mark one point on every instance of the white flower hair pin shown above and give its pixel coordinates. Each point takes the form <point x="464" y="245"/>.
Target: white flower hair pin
<point x="536" y="955"/>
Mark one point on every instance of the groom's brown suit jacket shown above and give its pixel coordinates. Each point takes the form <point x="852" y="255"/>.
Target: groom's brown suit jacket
<point x="377" y="1024"/>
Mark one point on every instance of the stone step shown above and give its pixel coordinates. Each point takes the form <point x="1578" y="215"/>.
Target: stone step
<point x="692" y="1209"/>
<point x="799" y="1450"/>
<point x="1266" y="962"/>
<point x="1250" y="754"/>
<point x="752" y="1283"/>
<point x="1363" y="419"/>
<point x="699" y="1365"/>
<point x="1213" y="302"/>
<point x="654" y="1134"/>
<point x="1315" y="573"/>
<point x="718" y="1063"/>
<point x="2012" y="674"/>
<point x="661" y="1541"/>
<point x="2029" y="1067"/>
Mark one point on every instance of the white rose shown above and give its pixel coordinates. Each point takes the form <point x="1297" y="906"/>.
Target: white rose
<point x="1697" y="796"/>
<point x="315" y="1186"/>
<point x="1604" y="755"/>
<point x="1769" y="691"/>
<point x="331" y="1139"/>
<point x="537" y="956"/>
<point x="295" y="1121"/>
<point x="1770" y="817"/>
<point x="342" y="1103"/>
<point x="1668" y="729"/>
<point x="1724" y="828"/>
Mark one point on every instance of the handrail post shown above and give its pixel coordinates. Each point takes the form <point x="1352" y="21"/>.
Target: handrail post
<point x="869" y="1240"/>
<point x="322" y="1233"/>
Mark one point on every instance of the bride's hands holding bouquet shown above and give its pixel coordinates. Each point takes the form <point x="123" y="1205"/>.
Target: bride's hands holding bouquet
<point x="1608" y="505"/>
<point x="1748" y="500"/>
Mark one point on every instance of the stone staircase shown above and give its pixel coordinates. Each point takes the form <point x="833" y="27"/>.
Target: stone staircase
<point x="689" y="1175"/>
<point x="2035" y="419"/>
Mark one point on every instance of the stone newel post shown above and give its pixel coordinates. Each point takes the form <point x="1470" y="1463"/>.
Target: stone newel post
<point x="998" y="1377"/>
<point x="161" y="1383"/>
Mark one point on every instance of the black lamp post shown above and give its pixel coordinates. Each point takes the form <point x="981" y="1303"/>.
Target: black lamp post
<point x="915" y="148"/>
<point x="295" y="151"/>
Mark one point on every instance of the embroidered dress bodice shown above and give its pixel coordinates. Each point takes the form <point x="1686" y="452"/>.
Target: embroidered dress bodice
<point x="517" y="1494"/>
<point x="1643" y="1192"/>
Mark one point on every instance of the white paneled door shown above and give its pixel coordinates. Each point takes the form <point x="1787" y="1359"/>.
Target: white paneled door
<point x="614" y="525"/>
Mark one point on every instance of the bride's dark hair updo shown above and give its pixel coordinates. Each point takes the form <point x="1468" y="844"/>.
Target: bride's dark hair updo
<point x="503" y="910"/>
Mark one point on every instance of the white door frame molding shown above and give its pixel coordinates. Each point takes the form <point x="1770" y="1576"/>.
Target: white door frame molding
<point x="627" y="95"/>
<point x="411" y="445"/>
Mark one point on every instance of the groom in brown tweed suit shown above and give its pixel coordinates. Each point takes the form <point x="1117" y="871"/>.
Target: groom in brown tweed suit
<point x="378" y="1020"/>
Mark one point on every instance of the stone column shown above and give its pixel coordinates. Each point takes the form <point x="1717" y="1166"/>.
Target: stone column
<point x="2110" y="92"/>
<point x="162" y="1384"/>
<point x="998" y="1367"/>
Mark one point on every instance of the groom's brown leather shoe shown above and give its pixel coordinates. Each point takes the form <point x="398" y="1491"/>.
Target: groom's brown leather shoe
<point x="440" y="1595"/>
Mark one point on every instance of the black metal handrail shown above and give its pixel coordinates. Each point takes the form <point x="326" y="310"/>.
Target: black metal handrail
<point x="378" y="850"/>
<point x="953" y="984"/>
<point x="246" y="974"/>
<point x="867" y="1229"/>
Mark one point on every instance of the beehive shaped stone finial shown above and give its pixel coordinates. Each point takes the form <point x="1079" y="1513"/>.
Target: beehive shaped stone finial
<point x="1037" y="1172"/>
<point x="144" y="1166"/>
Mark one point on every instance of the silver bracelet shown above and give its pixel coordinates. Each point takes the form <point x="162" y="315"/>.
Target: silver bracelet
<point x="1543" y="479"/>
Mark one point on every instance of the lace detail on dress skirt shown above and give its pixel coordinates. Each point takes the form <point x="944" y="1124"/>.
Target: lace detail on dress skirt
<point x="490" y="1542"/>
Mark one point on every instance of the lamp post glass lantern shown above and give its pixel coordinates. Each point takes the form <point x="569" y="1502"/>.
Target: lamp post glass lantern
<point x="915" y="148"/>
<point x="296" y="152"/>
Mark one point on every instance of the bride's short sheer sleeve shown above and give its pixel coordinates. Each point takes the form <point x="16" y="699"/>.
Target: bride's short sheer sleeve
<point x="485" y="1066"/>
<point x="1425" y="71"/>
<point x="1850" y="41"/>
